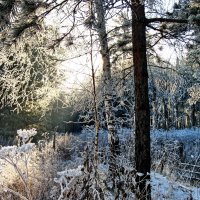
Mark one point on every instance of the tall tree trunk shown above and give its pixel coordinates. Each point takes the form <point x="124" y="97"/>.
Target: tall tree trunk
<point x="95" y="107"/>
<point x="173" y="123"/>
<point x="177" y="116"/>
<point x="154" y="115"/>
<point x="166" y="114"/>
<point x="193" y="117"/>
<point x="142" y="112"/>
<point x="108" y="98"/>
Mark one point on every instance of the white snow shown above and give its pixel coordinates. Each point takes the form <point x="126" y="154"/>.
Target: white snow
<point x="183" y="134"/>
<point x="164" y="189"/>
<point x="26" y="134"/>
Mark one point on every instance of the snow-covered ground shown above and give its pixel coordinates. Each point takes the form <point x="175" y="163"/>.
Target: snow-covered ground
<point x="181" y="135"/>
<point x="162" y="187"/>
<point x="165" y="189"/>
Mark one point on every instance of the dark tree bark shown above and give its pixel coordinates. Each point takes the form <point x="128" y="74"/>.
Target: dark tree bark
<point x="193" y="117"/>
<point x="142" y="112"/>
<point x="166" y="115"/>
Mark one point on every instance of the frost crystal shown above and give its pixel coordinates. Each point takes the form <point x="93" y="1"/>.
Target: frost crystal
<point x="140" y="174"/>
<point x="8" y="151"/>
<point x="191" y="19"/>
<point x="150" y="3"/>
<point x="198" y="16"/>
<point x="72" y="172"/>
<point x="25" y="148"/>
<point x="11" y="151"/>
<point x="26" y="134"/>
<point x="194" y="93"/>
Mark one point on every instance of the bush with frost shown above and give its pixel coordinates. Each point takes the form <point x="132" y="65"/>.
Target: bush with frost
<point x="27" y="170"/>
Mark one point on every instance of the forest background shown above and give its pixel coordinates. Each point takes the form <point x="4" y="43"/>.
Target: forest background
<point x="135" y="87"/>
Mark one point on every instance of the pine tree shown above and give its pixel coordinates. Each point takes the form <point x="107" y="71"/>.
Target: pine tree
<point x="142" y="114"/>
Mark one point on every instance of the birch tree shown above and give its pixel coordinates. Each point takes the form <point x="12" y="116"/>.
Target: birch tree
<point x="107" y="81"/>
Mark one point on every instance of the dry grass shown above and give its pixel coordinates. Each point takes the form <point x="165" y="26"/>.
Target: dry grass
<point x="32" y="176"/>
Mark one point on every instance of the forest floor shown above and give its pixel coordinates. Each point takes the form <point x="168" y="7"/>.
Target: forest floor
<point x="166" y="189"/>
<point x="165" y="186"/>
